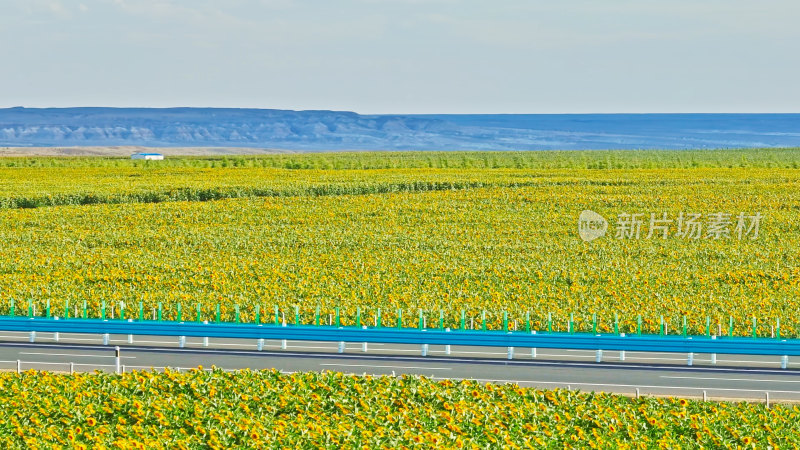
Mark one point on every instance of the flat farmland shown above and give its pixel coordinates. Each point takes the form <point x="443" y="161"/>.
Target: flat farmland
<point x="442" y="240"/>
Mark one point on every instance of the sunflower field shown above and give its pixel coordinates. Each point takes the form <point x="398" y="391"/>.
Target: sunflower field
<point x="458" y="238"/>
<point x="254" y="409"/>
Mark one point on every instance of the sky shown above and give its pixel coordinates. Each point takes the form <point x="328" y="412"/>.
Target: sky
<point x="404" y="56"/>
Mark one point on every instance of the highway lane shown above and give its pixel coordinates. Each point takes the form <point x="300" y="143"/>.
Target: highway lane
<point x="659" y="374"/>
<point x="399" y="349"/>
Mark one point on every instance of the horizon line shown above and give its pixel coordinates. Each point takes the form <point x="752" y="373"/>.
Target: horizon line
<point x="247" y="108"/>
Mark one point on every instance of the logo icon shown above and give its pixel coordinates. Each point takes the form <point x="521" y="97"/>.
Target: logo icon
<point x="591" y="225"/>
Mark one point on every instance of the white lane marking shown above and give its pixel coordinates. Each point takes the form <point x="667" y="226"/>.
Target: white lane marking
<point x="467" y="352"/>
<point x="454" y="352"/>
<point x="730" y="379"/>
<point x="74" y="354"/>
<point x="630" y="357"/>
<point x="386" y="367"/>
<point x="42" y="337"/>
<point x="610" y="357"/>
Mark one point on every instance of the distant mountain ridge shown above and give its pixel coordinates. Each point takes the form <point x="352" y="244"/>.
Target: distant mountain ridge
<point x="335" y="130"/>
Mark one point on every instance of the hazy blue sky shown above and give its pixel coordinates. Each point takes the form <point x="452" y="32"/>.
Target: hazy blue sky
<point x="405" y="56"/>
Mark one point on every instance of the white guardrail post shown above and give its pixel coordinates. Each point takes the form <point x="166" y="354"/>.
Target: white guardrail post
<point x="117" y="359"/>
<point x="447" y="347"/>
<point x="364" y="344"/>
<point x="714" y="355"/>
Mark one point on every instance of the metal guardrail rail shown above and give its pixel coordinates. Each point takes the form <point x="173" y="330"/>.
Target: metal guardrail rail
<point x="510" y="339"/>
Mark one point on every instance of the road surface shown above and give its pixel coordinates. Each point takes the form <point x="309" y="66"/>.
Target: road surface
<point x="733" y="376"/>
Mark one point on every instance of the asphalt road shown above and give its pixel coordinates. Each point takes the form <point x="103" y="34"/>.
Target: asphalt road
<point x="733" y="376"/>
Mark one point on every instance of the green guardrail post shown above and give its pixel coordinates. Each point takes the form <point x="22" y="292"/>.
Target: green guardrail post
<point x="103" y="311"/>
<point x="778" y="327"/>
<point x="708" y="326"/>
<point x="277" y="316"/>
<point x="66" y="309"/>
<point x="684" y="326"/>
<point x="316" y="316"/>
<point x="121" y="311"/>
<point x="505" y="320"/>
<point x="338" y="319"/>
<point x="754" y="327"/>
<point x="30" y="307"/>
<point x="639" y="325"/>
<point x="85" y="311"/>
<point x="483" y="320"/>
<point x="160" y="312"/>
<point x="400" y="318"/>
<point x="199" y="310"/>
<point x="48" y="308"/>
<point x="141" y="311"/>
<point x="571" y="324"/>
<point x="296" y="315"/>
<point x="236" y="308"/>
<point x="549" y="322"/>
<point x="12" y="308"/>
<point x="441" y="319"/>
<point x="594" y="323"/>
<point x="616" y="323"/>
<point x="180" y="313"/>
<point x="358" y="316"/>
<point x="661" y="331"/>
<point x="378" y="318"/>
<point x="730" y="326"/>
<point x="218" y="314"/>
<point x="421" y="320"/>
<point x="527" y="321"/>
<point x="463" y="320"/>
<point x="258" y="314"/>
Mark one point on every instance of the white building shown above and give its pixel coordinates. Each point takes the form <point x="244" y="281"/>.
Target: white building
<point x="151" y="156"/>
